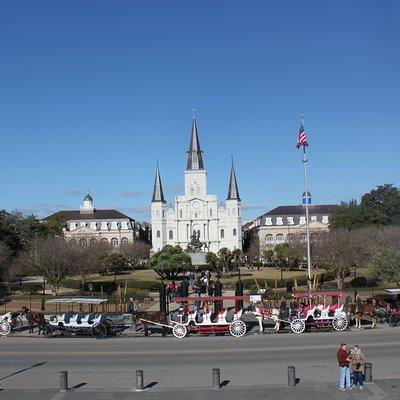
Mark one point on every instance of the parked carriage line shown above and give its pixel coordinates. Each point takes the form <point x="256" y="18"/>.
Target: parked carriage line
<point x="313" y="311"/>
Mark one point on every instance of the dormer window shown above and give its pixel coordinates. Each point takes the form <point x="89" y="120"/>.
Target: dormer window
<point x="268" y="221"/>
<point x="279" y="221"/>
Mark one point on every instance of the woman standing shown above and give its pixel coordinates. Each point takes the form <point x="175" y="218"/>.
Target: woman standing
<point x="357" y="365"/>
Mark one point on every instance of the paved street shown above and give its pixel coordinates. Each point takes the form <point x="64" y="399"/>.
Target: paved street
<point x="257" y="362"/>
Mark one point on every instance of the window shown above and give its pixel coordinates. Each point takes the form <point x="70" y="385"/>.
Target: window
<point x="234" y="232"/>
<point x="222" y="234"/>
<point x="92" y="241"/>
<point x="73" y="241"/>
<point x="279" y="220"/>
<point x="325" y="219"/>
<point x="268" y="221"/>
<point x="171" y="235"/>
<point x="313" y="238"/>
<point x="163" y="214"/>
<point x="114" y="241"/>
<point x="191" y="191"/>
<point x="124" y="240"/>
<point x="180" y="213"/>
<point x="83" y="242"/>
<point x="290" y="238"/>
<point x="158" y="234"/>
<point x="211" y="213"/>
<point x="104" y="240"/>
<point x="279" y="238"/>
<point x="303" y="238"/>
<point x="269" y="239"/>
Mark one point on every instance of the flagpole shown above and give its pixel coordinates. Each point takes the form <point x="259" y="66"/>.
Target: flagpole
<point x="305" y="160"/>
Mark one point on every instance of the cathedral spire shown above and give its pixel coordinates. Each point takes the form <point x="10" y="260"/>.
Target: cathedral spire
<point x="158" y="194"/>
<point x="233" y="191"/>
<point x="195" y="155"/>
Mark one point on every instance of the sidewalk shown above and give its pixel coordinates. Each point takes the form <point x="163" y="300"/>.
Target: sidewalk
<point x="378" y="390"/>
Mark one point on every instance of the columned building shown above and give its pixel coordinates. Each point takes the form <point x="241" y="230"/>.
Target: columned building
<point x="196" y="213"/>
<point x="286" y="224"/>
<point x="89" y="225"/>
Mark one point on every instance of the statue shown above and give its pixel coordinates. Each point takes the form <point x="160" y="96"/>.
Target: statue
<point x="195" y="244"/>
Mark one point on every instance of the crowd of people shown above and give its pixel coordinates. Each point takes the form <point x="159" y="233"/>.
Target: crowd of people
<point x="351" y="365"/>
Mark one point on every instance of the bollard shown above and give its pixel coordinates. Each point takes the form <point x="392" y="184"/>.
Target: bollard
<point x="139" y="380"/>
<point x="216" y="378"/>
<point x="291" y="376"/>
<point x="63" y="381"/>
<point x="368" y="372"/>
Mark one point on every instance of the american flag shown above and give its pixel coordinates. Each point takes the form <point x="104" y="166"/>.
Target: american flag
<point x="302" y="137"/>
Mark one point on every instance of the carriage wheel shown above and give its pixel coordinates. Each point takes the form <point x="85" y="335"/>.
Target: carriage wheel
<point x="339" y="323"/>
<point x="17" y="324"/>
<point x="394" y="320"/>
<point x="237" y="328"/>
<point x="179" y="331"/>
<point x="5" y="328"/>
<point x="99" y="331"/>
<point x="298" y="326"/>
<point x="381" y="313"/>
<point x="48" y="331"/>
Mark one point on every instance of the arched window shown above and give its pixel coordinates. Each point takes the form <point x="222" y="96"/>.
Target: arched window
<point x="114" y="241"/>
<point x="171" y="235"/>
<point x="234" y="232"/>
<point x="92" y="241"/>
<point x="73" y="241"/>
<point x="279" y="238"/>
<point x="222" y="234"/>
<point x="303" y="238"/>
<point x="269" y="239"/>
<point x="104" y="240"/>
<point x="290" y="238"/>
<point x="124" y="240"/>
<point x="83" y="242"/>
<point x="158" y="234"/>
<point x="313" y="238"/>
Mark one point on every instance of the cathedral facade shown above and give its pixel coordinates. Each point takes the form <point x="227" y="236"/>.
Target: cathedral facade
<point x="196" y="217"/>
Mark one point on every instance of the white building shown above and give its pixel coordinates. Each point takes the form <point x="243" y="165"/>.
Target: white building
<point x="196" y="212"/>
<point x="89" y="225"/>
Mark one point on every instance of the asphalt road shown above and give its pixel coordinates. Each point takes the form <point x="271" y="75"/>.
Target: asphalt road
<point x="34" y="362"/>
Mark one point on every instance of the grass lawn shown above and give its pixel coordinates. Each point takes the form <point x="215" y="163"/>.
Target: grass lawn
<point x="150" y="275"/>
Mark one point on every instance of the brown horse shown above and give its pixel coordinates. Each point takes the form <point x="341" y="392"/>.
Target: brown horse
<point x="363" y="310"/>
<point x="34" y="318"/>
<point x="152" y="318"/>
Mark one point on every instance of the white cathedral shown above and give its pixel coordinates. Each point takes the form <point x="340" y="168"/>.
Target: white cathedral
<point x="196" y="213"/>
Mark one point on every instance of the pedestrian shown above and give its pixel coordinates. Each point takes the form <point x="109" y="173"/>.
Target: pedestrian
<point x="357" y="365"/>
<point x="344" y="369"/>
<point x="133" y="309"/>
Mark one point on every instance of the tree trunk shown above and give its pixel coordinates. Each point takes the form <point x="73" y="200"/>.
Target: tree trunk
<point x="339" y="282"/>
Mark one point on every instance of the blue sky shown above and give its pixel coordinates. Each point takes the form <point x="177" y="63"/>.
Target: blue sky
<point x="92" y="92"/>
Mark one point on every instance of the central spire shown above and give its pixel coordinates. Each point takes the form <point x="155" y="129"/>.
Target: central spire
<point x="195" y="157"/>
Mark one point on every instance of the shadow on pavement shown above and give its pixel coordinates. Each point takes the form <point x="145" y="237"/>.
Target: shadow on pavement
<point x="23" y="370"/>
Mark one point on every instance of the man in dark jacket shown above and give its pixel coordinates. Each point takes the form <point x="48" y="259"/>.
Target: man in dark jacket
<point x="344" y="370"/>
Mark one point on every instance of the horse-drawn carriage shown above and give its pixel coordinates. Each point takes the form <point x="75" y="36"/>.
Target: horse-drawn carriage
<point x="307" y="310"/>
<point x="10" y="322"/>
<point x="195" y="316"/>
<point x="94" y="323"/>
<point x="387" y="306"/>
<point x="314" y="312"/>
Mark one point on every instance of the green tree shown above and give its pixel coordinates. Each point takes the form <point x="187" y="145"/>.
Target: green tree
<point x="381" y="206"/>
<point x="385" y="265"/>
<point x="169" y="262"/>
